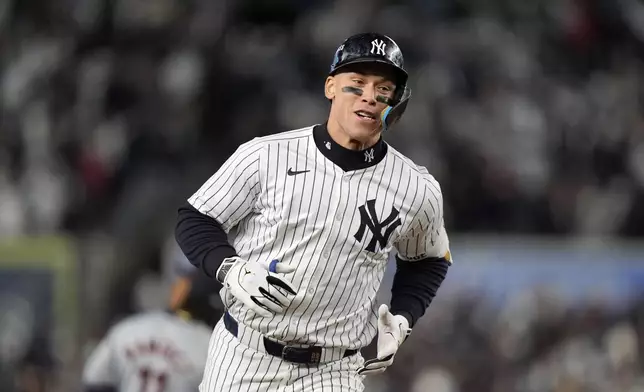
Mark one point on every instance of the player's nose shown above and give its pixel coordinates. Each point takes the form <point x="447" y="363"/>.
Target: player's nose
<point x="369" y="94"/>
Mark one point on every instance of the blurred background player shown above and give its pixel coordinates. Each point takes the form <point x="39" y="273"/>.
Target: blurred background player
<point x="158" y="351"/>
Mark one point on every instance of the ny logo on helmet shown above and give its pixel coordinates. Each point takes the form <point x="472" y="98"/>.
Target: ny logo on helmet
<point x="378" y="47"/>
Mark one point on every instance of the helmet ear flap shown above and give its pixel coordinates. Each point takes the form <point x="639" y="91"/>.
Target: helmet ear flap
<point x="392" y="114"/>
<point x="402" y="93"/>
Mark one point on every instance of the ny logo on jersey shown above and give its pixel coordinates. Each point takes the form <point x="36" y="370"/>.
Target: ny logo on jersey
<point x="369" y="218"/>
<point x="368" y="156"/>
<point x="378" y="47"/>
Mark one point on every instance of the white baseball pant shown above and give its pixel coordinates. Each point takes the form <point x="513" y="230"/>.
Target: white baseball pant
<point x="242" y="364"/>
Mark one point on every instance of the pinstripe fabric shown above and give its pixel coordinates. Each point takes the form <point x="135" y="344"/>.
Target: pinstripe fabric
<point x="236" y="367"/>
<point x="313" y="221"/>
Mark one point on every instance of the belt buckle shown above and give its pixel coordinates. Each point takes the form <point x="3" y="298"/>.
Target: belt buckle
<point x="298" y="354"/>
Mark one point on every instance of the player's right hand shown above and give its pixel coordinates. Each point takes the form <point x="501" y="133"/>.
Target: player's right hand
<point x="257" y="284"/>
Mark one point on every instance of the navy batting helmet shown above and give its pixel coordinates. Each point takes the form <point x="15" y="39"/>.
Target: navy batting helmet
<point x="376" y="48"/>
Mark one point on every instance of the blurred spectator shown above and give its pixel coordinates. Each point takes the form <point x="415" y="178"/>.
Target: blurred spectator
<point x="510" y="102"/>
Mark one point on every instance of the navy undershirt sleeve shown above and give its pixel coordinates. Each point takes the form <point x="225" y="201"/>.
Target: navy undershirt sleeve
<point x="415" y="286"/>
<point x="202" y="239"/>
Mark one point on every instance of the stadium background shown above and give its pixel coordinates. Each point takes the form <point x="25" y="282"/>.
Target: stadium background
<point x="529" y="113"/>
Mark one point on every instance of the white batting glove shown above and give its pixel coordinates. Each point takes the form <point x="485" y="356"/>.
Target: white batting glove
<point x="257" y="285"/>
<point x="392" y="331"/>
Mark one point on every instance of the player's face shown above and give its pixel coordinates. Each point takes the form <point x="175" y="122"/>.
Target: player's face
<point x="359" y="97"/>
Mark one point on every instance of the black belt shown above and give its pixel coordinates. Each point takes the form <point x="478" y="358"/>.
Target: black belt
<point x="305" y="355"/>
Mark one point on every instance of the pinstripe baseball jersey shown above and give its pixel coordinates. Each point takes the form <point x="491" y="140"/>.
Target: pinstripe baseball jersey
<point x="289" y="198"/>
<point x="150" y="352"/>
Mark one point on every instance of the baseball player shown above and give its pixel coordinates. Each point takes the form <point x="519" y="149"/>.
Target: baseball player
<point x="316" y="213"/>
<point x="158" y="351"/>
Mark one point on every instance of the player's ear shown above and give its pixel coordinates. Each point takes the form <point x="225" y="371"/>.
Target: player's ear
<point x="329" y="87"/>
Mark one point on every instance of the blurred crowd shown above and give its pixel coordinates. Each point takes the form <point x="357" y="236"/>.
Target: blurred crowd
<point x="111" y="107"/>
<point x="529" y="113"/>
<point x="530" y="344"/>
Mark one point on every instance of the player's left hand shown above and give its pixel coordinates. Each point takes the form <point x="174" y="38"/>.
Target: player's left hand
<point x="392" y="331"/>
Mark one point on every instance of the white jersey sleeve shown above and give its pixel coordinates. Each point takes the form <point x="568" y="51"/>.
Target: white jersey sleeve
<point x="100" y="368"/>
<point x="231" y="193"/>
<point x="427" y="237"/>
